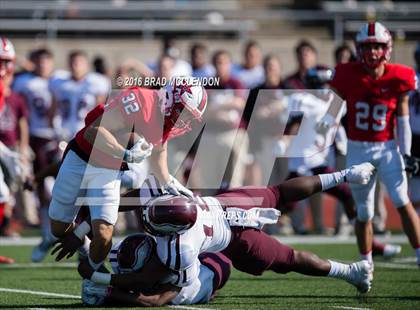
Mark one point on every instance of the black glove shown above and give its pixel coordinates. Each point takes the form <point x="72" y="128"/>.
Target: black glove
<point x="411" y="165"/>
<point x="67" y="246"/>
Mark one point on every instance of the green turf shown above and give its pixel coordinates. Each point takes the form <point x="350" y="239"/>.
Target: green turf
<point x="394" y="288"/>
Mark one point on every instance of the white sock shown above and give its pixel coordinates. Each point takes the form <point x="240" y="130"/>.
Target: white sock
<point x="84" y="249"/>
<point x="94" y="265"/>
<point x="418" y="255"/>
<point x="367" y="257"/>
<point x="330" y="180"/>
<point x="339" y="270"/>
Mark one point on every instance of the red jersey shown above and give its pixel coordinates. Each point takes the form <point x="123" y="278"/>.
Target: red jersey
<point x="372" y="104"/>
<point x="14" y="108"/>
<point x="140" y="109"/>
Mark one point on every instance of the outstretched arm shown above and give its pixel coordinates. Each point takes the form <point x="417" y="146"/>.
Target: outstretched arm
<point x="166" y="294"/>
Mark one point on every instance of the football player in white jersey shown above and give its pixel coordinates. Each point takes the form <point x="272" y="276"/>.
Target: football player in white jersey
<point x="34" y="86"/>
<point x="231" y="222"/>
<point x="75" y="96"/>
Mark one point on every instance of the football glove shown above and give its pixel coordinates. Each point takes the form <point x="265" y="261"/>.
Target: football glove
<point x="411" y="165"/>
<point x="174" y="187"/>
<point x="139" y="152"/>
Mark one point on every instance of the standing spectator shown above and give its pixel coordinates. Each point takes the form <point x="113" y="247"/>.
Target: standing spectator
<point x="306" y="58"/>
<point x="14" y="133"/>
<point x="199" y="61"/>
<point x="344" y="54"/>
<point x="75" y="96"/>
<point x="222" y="134"/>
<point x="264" y="104"/>
<point x="251" y="72"/>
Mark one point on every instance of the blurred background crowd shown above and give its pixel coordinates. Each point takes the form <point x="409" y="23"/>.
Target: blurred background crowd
<point x="74" y="51"/>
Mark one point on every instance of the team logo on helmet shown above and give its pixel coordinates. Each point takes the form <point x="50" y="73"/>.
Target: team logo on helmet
<point x="133" y="253"/>
<point x="7" y="56"/>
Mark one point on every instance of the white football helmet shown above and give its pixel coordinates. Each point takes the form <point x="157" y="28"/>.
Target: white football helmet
<point x="180" y="96"/>
<point x="7" y="56"/>
<point x="374" y="33"/>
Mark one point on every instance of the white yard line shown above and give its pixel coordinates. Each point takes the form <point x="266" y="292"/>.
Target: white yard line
<point x="39" y="265"/>
<point x="39" y="293"/>
<point x="349" y="308"/>
<point x="32" y="241"/>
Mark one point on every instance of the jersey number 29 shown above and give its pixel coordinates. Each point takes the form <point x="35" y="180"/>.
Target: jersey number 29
<point x="378" y="112"/>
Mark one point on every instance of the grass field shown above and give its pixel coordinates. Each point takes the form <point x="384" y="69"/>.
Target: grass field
<point x="396" y="285"/>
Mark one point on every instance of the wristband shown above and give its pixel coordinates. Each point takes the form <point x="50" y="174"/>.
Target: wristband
<point x="82" y="230"/>
<point x="101" y="278"/>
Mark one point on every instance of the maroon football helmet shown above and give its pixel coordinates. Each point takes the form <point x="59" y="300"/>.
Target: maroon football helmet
<point x="133" y="252"/>
<point x="169" y="214"/>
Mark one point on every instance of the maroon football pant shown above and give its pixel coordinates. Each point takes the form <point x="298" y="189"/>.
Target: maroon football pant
<point x="251" y="250"/>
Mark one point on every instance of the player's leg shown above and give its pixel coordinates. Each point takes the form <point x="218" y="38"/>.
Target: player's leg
<point x="394" y="177"/>
<point x="254" y="252"/>
<point x="67" y="188"/>
<point x="103" y="197"/>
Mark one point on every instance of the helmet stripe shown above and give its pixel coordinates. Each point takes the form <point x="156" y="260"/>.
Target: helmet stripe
<point x="371" y="29"/>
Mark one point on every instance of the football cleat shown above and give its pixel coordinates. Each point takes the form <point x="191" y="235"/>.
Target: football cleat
<point x="360" y="174"/>
<point x="361" y="276"/>
<point x="41" y="250"/>
<point x="93" y="294"/>
<point x="391" y="250"/>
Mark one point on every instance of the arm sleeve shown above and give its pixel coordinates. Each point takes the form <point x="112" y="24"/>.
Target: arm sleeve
<point x="404" y="134"/>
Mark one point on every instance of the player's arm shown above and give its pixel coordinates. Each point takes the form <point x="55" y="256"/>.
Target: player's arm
<point x="159" y="163"/>
<point x="167" y="294"/>
<point x="403" y="124"/>
<point x="99" y="133"/>
<point x="147" y="278"/>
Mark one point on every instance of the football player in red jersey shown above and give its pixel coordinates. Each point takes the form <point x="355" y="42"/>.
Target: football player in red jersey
<point x="90" y="171"/>
<point x="376" y="93"/>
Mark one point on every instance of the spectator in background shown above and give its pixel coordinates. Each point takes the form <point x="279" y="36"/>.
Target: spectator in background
<point x="199" y="61"/>
<point x="181" y="67"/>
<point x="14" y="132"/>
<point x="417" y="60"/>
<point x="306" y="56"/>
<point x="251" y="71"/>
<point x="223" y="118"/>
<point x="100" y="66"/>
<point x="344" y="54"/>
<point x="264" y="105"/>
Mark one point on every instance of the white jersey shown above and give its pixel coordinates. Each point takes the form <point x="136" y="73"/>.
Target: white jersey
<point x="38" y="97"/>
<point x="210" y="233"/>
<point x="313" y="109"/>
<point x="76" y="98"/>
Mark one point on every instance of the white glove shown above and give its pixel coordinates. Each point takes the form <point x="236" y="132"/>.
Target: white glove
<point x="360" y="174"/>
<point x="324" y="125"/>
<point x="13" y="162"/>
<point x="279" y="148"/>
<point x="139" y="152"/>
<point x="174" y="187"/>
<point x="93" y="294"/>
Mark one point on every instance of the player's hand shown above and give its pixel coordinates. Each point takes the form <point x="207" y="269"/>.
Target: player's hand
<point x="174" y="187"/>
<point x="325" y="124"/>
<point x="411" y="165"/>
<point x="67" y="246"/>
<point x="139" y="152"/>
<point x="85" y="269"/>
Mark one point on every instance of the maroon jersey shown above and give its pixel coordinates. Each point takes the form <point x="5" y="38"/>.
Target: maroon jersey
<point x="372" y="103"/>
<point x="14" y="108"/>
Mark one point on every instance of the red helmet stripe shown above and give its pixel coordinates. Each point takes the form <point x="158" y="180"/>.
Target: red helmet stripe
<point x="371" y="29"/>
<point x="203" y="101"/>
